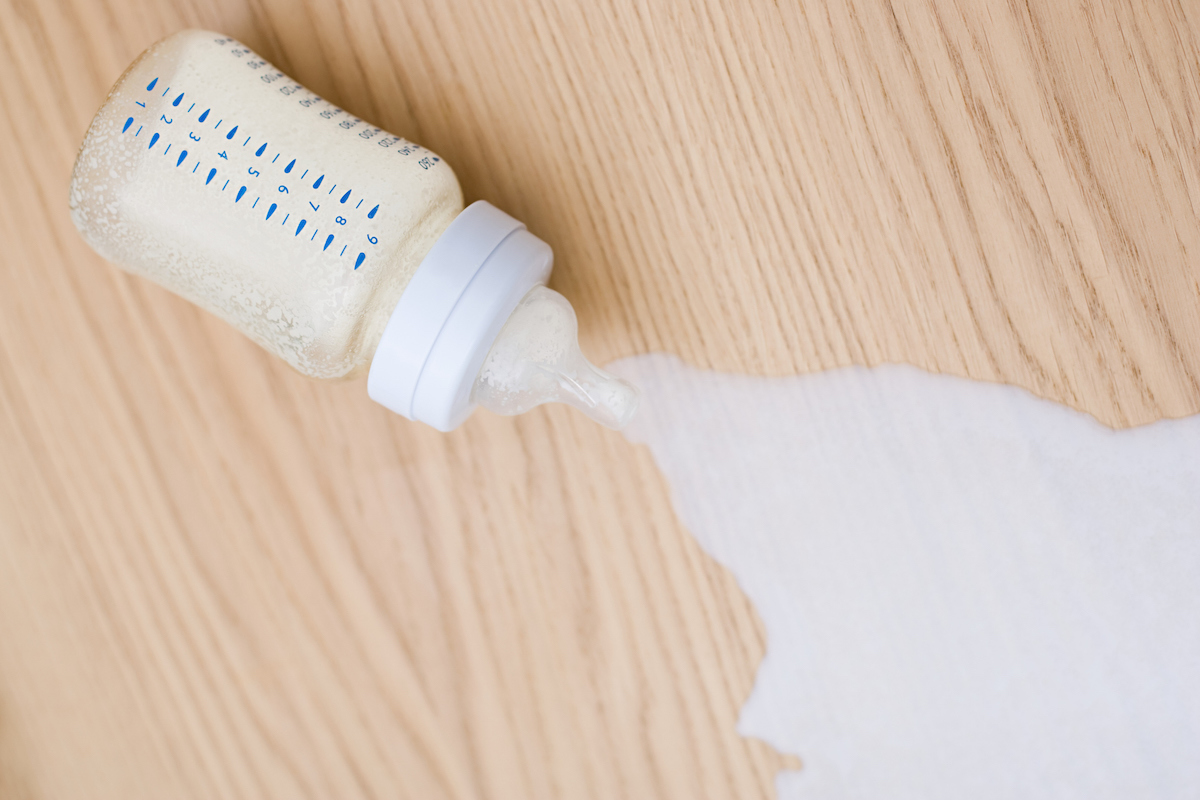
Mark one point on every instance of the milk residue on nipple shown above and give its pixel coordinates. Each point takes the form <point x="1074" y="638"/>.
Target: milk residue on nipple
<point x="536" y="359"/>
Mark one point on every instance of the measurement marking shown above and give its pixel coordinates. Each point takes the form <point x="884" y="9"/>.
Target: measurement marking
<point x="140" y="103"/>
<point x="343" y="249"/>
<point x="128" y="122"/>
<point x="271" y="210"/>
<point x="305" y="171"/>
<point x="177" y="101"/>
<point x="358" y="261"/>
<point x="262" y="149"/>
<point x="151" y="86"/>
<point x="288" y="168"/>
<point x="167" y="150"/>
<point x="182" y="156"/>
<point x="204" y="116"/>
<point x="195" y="167"/>
<point x="314" y="234"/>
<point x="345" y="197"/>
<point x="371" y="213"/>
<point x="241" y="192"/>
<point x="359" y="204"/>
<point x="285" y="219"/>
<point x="193" y="105"/>
<point x="245" y="142"/>
<point x="300" y="227"/>
<point x="331" y="188"/>
<point x="223" y="187"/>
<point x="218" y="124"/>
<point x="276" y="158"/>
<point x="231" y="132"/>
<point x="153" y="141"/>
<point x="164" y="94"/>
<point x="211" y="173"/>
<point x="328" y="241"/>
<point x="255" y="201"/>
<point x="139" y="130"/>
<point x="317" y="185"/>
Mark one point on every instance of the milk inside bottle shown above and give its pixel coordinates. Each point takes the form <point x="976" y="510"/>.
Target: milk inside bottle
<point x="335" y="245"/>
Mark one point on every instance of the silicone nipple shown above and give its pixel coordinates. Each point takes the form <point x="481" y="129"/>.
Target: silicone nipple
<point x="536" y="359"/>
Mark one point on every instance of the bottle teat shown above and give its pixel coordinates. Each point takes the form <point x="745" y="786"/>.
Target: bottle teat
<point x="536" y="359"/>
<point x="476" y="325"/>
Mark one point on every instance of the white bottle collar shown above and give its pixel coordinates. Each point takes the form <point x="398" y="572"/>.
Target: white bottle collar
<point x="450" y="313"/>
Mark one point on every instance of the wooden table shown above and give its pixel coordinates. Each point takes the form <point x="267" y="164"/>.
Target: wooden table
<point x="218" y="579"/>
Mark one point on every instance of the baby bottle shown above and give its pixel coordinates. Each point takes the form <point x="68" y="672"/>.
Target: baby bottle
<point x="333" y="244"/>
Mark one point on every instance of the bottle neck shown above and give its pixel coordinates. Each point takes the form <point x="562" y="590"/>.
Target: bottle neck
<point x="448" y="316"/>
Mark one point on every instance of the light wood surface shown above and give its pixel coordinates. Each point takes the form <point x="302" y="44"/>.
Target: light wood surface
<point x="218" y="579"/>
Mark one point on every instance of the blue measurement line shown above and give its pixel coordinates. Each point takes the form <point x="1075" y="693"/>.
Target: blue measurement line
<point x="290" y="166"/>
<point x="223" y="187"/>
<point x="314" y="236"/>
<point x="168" y="149"/>
<point x="371" y="213"/>
<point x="285" y="219"/>
<point x="245" y="142"/>
<point x="164" y="94"/>
<point x="139" y="130"/>
<point x="343" y="250"/>
<point x="218" y="124"/>
<point x="255" y="201"/>
<point x="193" y="105"/>
<point x="332" y="188"/>
<point x="196" y="167"/>
<point x="360" y="202"/>
<point x="276" y="158"/>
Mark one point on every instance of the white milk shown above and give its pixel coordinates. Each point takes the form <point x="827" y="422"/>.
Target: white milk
<point x="968" y="592"/>
<point x="212" y="173"/>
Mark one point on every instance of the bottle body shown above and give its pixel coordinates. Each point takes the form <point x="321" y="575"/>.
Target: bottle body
<point x="213" y="174"/>
<point x="333" y="244"/>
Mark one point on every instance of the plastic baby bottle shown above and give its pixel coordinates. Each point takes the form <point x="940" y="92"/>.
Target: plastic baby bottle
<point x="333" y="244"/>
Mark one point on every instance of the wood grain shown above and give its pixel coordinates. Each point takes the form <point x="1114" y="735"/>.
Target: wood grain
<point x="218" y="579"/>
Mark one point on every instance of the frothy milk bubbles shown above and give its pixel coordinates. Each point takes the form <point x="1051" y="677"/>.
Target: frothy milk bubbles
<point x="333" y="244"/>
